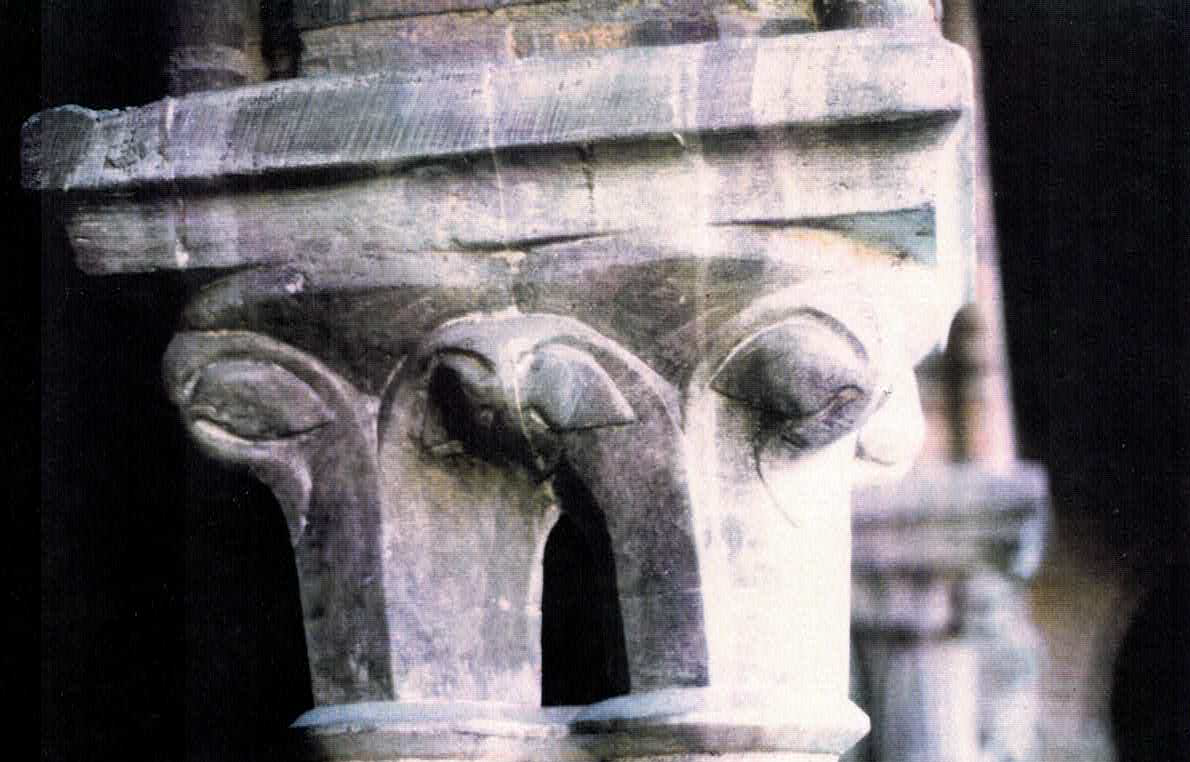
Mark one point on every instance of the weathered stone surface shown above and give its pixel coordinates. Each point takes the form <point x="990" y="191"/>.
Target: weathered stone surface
<point x="486" y="422"/>
<point x="208" y="45"/>
<point x="380" y="308"/>
<point x="254" y="402"/>
<point x="794" y="15"/>
<point x="347" y="125"/>
<point x="519" y="200"/>
<point x="309" y="14"/>
<point x="675" y="293"/>
<point x="687" y="724"/>
<point x="316" y="14"/>
<point x="388" y="41"/>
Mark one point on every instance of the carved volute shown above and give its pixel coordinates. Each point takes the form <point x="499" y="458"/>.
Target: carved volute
<point x="717" y="394"/>
<point x="672" y="284"/>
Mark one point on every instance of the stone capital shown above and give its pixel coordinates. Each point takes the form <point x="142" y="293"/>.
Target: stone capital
<point x="665" y="271"/>
<point x="924" y="546"/>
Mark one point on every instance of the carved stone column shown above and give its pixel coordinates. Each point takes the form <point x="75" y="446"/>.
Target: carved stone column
<point x="665" y="268"/>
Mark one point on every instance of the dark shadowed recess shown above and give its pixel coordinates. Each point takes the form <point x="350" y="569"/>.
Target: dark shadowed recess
<point x="170" y="622"/>
<point x="1150" y="700"/>
<point x="583" y="654"/>
<point x="171" y="627"/>
<point x="1089" y="134"/>
<point x="1087" y="117"/>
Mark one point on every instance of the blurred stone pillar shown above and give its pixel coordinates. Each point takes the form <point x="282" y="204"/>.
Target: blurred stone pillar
<point x="947" y="654"/>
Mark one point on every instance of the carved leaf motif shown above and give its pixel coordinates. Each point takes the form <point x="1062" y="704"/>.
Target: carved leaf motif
<point x="256" y="400"/>
<point x="571" y="392"/>
<point x="810" y="379"/>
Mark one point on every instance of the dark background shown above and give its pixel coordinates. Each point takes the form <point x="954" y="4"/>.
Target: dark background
<point x="1088" y="109"/>
<point x="170" y="625"/>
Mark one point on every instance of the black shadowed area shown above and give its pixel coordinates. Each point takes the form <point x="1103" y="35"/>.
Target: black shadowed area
<point x="583" y="654"/>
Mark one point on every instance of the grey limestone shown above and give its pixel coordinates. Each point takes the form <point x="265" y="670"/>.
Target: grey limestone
<point x="670" y="281"/>
<point x="373" y="121"/>
<point x="380" y="39"/>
